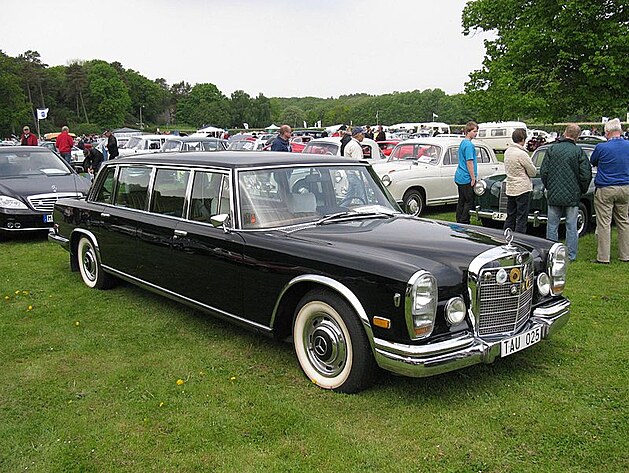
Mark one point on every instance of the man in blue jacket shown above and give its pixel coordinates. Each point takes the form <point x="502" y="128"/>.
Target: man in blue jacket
<point x="612" y="192"/>
<point x="566" y="174"/>
<point x="282" y="142"/>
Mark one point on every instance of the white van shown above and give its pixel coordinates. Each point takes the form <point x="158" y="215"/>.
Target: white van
<point x="143" y="144"/>
<point x="497" y="135"/>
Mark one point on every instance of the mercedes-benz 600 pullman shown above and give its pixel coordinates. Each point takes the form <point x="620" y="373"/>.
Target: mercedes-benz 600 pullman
<point x="270" y="241"/>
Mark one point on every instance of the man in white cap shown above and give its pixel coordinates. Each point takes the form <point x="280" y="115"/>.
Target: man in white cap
<point x="353" y="149"/>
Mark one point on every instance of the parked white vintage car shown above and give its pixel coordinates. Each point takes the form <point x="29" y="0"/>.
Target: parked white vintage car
<point x="332" y="146"/>
<point x="420" y="171"/>
<point x="141" y="144"/>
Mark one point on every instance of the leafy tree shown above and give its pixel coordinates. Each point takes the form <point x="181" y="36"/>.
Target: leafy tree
<point x="177" y="92"/>
<point x="76" y="77"/>
<point x="550" y="59"/>
<point x="241" y="108"/>
<point x="144" y="94"/>
<point x="205" y="104"/>
<point x="14" y="107"/>
<point x="108" y="94"/>
<point x="261" y="111"/>
<point x="293" y="116"/>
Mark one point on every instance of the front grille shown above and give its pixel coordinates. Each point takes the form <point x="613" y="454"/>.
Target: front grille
<point x="504" y="308"/>
<point x="502" y="202"/>
<point x="46" y="202"/>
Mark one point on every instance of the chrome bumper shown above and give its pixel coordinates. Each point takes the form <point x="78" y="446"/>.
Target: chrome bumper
<point x="56" y="238"/>
<point x="436" y="358"/>
<point x="535" y="218"/>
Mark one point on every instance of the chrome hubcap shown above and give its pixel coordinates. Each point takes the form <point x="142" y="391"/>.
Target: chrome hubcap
<point x="413" y="206"/>
<point x="89" y="264"/>
<point x="326" y="345"/>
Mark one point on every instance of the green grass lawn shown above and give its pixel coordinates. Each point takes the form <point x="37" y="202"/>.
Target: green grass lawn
<point x="124" y="380"/>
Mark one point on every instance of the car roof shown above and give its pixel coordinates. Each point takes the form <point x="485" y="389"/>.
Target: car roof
<point x="232" y="159"/>
<point x="193" y="138"/>
<point x="435" y="140"/>
<point x="17" y="149"/>
<point x="581" y="144"/>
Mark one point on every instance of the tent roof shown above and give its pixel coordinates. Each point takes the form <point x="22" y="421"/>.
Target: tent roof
<point x="272" y="126"/>
<point x="125" y="130"/>
<point x="209" y="129"/>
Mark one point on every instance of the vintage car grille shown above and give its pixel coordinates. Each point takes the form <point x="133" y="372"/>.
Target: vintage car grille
<point x="502" y="202"/>
<point x="46" y="202"/>
<point x="504" y="308"/>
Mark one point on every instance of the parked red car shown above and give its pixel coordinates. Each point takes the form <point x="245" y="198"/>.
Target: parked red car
<point x="387" y="146"/>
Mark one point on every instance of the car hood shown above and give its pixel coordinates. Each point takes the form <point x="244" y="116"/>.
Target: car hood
<point x="42" y="184"/>
<point x="397" y="166"/>
<point x="401" y="245"/>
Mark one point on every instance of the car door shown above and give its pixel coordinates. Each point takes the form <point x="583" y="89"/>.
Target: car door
<point x="207" y="260"/>
<point x="448" y="191"/>
<point x="487" y="162"/>
<point x="118" y="221"/>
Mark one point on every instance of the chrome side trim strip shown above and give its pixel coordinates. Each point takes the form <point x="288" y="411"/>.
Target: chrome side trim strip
<point x="172" y="294"/>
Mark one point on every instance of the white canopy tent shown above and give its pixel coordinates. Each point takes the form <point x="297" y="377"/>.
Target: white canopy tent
<point x="210" y="131"/>
<point x="272" y="127"/>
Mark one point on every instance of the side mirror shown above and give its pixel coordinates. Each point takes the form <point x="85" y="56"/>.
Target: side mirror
<point x="221" y="220"/>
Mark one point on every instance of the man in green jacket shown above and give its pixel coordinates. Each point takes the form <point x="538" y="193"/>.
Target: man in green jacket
<point x="566" y="174"/>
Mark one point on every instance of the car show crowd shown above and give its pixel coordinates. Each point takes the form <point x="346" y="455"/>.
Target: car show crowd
<point x="565" y="171"/>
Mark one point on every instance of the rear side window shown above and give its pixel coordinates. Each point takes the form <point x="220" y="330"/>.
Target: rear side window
<point x="482" y="155"/>
<point x="106" y="191"/>
<point x="210" y="196"/>
<point x="169" y="192"/>
<point x="133" y="183"/>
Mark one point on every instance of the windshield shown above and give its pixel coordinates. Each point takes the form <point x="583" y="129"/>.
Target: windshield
<point x="322" y="148"/>
<point x="301" y="195"/>
<point x="134" y="143"/>
<point x="171" y="145"/>
<point x="424" y="153"/>
<point x="30" y="163"/>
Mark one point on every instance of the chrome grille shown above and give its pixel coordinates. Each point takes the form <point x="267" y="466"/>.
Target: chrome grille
<point x="504" y="308"/>
<point x="502" y="202"/>
<point x="46" y="202"/>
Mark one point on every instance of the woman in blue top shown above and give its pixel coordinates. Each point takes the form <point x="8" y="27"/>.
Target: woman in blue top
<point x="465" y="175"/>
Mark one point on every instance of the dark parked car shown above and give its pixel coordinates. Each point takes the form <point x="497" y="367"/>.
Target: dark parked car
<point x="491" y="200"/>
<point x="32" y="178"/>
<point x="267" y="241"/>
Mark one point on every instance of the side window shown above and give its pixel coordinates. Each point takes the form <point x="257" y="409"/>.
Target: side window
<point x="482" y="133"/>
<point x="169" y="192"/>
<point x="133" y="184"/>
<point x="208" y="192"/>
<point x="452" y="156"/>
<point x="482" y="156"/>
<point x="538" y="157"/>
<point x="499" y="132"/>
<point x="106" y="191"/>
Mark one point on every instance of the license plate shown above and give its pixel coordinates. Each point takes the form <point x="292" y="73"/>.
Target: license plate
<point x="48" y="218"/>
<point x="500" y="216"/>
<point x="520" y="342"/>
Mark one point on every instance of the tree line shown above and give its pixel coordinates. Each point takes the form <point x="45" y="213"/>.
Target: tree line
<point x="549" y="62"/>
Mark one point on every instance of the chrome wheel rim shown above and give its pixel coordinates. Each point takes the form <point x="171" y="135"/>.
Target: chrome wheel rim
<point x="326" y="346"/>
<point x="413" y="206"/>
<point x="88" y="261"/>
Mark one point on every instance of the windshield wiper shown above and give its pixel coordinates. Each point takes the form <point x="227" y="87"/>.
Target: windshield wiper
<point x="353" y="214"/>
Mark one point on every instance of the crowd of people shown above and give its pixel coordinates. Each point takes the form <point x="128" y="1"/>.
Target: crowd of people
<point x="566" y="173"/>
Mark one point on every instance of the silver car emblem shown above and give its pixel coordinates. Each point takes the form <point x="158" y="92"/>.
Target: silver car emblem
<point x="508" y="236"/>
<point x="54" y="188"/>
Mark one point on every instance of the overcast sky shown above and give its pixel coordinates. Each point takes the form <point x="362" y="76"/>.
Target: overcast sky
<point x="280" y="48"/>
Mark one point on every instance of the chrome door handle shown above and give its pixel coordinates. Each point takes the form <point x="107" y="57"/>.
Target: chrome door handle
<point x="105" y="215"/>
<point x="180" y="233"/>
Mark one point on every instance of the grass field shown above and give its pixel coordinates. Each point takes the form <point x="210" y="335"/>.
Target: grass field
<point x="124" y="380"/>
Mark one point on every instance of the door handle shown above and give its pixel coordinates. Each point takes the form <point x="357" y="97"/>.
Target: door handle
<point x="180" y="233"/>
<point x="105" y="215"/>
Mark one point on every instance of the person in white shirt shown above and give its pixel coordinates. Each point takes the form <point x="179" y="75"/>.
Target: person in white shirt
<point x="353" y="149"/>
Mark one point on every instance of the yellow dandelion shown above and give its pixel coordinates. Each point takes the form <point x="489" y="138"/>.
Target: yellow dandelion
<point x="77" y="323"/>
<point x="6" y="298"/>
<point x="233" y="378"/>
<point x="30" y="307"/>
<point x="25" y="293"/>
<point x="180" y="382"/>
<point x="17" y="293"/>
<point x="161" y="404"/>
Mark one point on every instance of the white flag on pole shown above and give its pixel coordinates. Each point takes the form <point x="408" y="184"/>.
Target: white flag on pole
<point x="246" y="125"/>
<point x="305" y="124"/>
<point x="42" y="113"/>
<point x="434" y="115"/>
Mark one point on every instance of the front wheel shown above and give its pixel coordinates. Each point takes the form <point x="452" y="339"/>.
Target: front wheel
<point x="331" y="344"/>
<point x="414" y="202"/>
<point x="89" y="266"/>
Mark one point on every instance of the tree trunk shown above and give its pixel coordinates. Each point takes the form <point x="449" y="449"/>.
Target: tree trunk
<point x="83" y="103"/>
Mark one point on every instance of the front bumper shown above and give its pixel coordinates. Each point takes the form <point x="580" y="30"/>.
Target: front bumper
<point x="24" y="220"/>
<point x="466" y="350"/>
<point x="535" y="217"/>
<point x="54" y="237"/>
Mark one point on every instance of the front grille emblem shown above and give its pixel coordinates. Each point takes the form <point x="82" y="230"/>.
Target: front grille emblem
<point x="54" y="188"/>
<point x="508" y="233"/>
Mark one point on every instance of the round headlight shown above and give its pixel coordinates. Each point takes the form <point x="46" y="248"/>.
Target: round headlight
<point x="501" y="276"/>
<point x="543" y="284"/>
<point x="455" y="310"/>
<point x="480" y="187"/>
<point x="386" y="180"/>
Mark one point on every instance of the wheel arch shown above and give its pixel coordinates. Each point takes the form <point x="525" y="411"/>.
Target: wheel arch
<point x="74" y="245"/>
<point x="282" y="318"/>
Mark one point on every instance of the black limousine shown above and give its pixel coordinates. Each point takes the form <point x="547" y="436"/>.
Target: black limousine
<point x="314" y="250"/>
